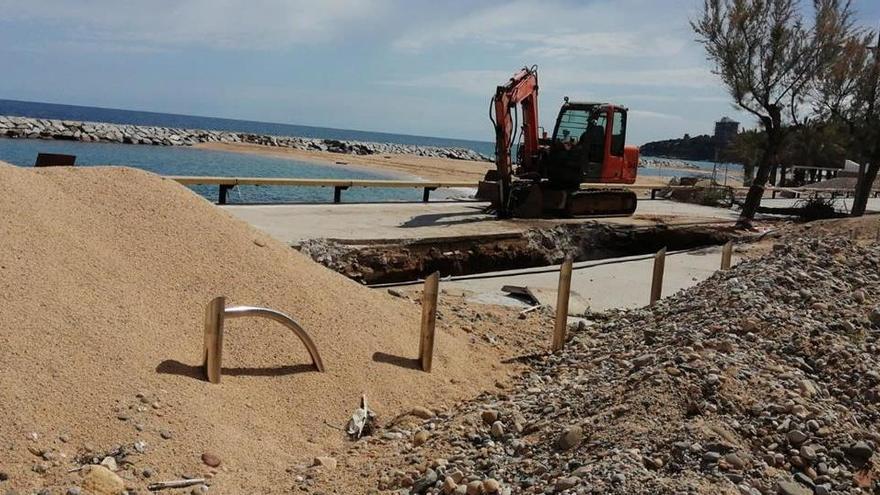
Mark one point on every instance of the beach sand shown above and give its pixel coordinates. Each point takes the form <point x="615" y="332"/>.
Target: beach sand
<point x="427" y="168"/>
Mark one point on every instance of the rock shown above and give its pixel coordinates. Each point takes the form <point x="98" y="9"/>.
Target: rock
<point x="642" y="361"/>
<point x="808" y="388"/>
<point x="497" y="430"/>
<point x="101" y="481"/>
<point x="326" y="462"/>
<point x="808" y="453"/>
<point x="449" y="485"/>
<point x="198" y="490"/>
<point x="735" y="461"/>
<point x="420" y="437"/>
<point x="566" y="483"/>
<point x="211" y="459"/>
<point x="796" y="437"/>
<point x="474" y="488"/>
<point x="489" y="416"/>
<point x="792" y="488"/>
<point x="874" y="317"/>
<point x="570" y="438"/>
<point x="860" y="452"/>
<point x="422" y="484"/>
<point x="166" y="434"/>
<point x="109" y="463"/>
<point x="74" y="490"/>
<point x="491" y="486"/>
<point x="422" y="412"/>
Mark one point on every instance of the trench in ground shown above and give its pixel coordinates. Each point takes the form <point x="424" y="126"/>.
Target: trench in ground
<point x="397" y="261"/>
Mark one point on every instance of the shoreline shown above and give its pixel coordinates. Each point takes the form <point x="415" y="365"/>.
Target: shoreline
<point x="425" y="168"/>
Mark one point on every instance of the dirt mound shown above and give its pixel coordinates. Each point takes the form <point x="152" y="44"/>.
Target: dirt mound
<point x="104" y="278"/>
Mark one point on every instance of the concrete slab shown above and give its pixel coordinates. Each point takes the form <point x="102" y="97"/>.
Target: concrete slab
<point x="605" y="284"/>
<point x="292" y="223"/>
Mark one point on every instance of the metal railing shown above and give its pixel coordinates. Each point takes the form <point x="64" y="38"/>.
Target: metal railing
<point x="217" y="312"/>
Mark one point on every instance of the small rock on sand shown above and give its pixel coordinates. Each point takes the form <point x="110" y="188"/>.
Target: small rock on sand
<point x="102" y="481"/>
<point x="211" y="459"/>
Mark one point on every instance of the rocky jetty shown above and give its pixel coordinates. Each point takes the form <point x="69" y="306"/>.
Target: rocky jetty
<point x="761" y="380"/>
<point x="69" y="130"/>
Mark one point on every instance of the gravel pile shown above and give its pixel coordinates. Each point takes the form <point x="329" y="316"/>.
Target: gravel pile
<point x="761" y="380"/>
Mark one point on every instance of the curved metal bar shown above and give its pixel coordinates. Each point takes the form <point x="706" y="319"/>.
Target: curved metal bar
<point x="242" y="311"/>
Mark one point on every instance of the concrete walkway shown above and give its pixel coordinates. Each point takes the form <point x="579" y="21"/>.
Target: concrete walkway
<point x="367" y="221"/>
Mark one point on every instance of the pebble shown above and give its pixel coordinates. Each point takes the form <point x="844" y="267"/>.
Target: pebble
<point x="422" y="412"/>
<point x="101" y="481"/>
<point x="211" y="459"/>
<point x="166" y="434"/>
<point x="489" y="416"/>
<point x="796" y="437"/>
<point x="792" y="488"/>
<point x="420" y="437"/>
<point x="325" y="462"/>
<point x="570" y="438"/>
<point x="491" y="486"/>
<point x="497" y="430"/>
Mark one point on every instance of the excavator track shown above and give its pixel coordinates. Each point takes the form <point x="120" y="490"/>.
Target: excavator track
<point x="601" y="202"/>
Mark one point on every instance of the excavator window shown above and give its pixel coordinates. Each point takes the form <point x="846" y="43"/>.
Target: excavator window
<point x="618" y="132"/>
<point x="572" y="124"/>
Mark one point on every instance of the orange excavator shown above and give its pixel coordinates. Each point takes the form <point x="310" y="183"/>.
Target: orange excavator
<point x="587" y="146"/>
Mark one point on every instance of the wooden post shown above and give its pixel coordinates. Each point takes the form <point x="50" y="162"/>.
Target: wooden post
<point x="213" y="352"/>
<point x="562" y="297"/>
<point x="726" y="253"/>
<point x="657" y="280"/>
<point x="429" y="318"/>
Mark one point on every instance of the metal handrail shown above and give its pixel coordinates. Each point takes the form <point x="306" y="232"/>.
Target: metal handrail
<point x="217" y="312"/>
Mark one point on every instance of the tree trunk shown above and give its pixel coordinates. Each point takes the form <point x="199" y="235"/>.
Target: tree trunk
<point x="863" y="189"/>
<point x="756" y="191"/>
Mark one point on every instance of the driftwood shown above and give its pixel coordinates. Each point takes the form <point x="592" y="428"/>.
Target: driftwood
<point x="161" y="485"/>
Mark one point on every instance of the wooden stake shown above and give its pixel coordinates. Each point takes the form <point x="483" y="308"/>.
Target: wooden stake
<point x="213" y="353"/>
<point x="429" y="318"/>
<point x="562" y="297"/>
<point x="726" y="253"/>
<point x="657" y="280"/>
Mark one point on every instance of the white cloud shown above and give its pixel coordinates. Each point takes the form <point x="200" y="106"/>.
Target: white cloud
<point x="647" y="114"/>
<point x="226" y="24"/>
<point x="564" y="79"/>
<point x="550" y="29"/>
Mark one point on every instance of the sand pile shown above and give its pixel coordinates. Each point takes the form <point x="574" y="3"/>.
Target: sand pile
<point x="104" y="277"/>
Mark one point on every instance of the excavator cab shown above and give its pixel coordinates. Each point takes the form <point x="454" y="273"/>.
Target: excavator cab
<point x="588" y="146"/>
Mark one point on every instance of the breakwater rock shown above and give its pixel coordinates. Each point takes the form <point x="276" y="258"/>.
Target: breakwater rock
<point x="70" y="130"/>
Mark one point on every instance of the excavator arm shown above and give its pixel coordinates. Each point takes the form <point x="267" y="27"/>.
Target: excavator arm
<point x="522" y="90"/>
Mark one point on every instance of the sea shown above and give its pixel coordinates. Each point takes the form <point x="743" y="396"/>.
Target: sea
<point x="182" y="160"/>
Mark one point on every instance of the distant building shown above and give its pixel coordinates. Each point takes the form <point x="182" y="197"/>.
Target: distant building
<point x="725" y="130"/>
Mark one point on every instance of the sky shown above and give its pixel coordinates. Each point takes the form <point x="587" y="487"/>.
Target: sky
<point x="404" y="66"/>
